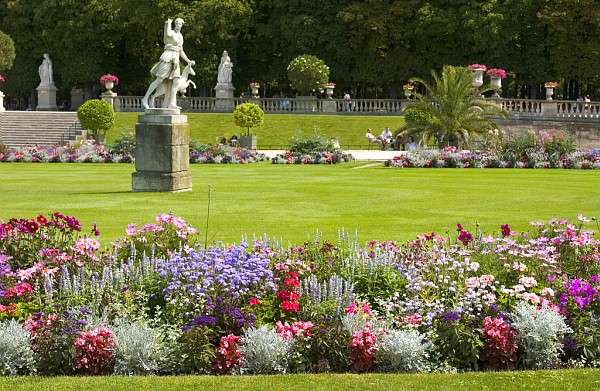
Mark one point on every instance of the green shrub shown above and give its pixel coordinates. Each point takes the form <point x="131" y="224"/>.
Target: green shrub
<point x="307" y="73"/>
<point x="306" y="145"/>
<point x="7" y="52"/>
<point x="248" y="115"/>
<point x="96" y="116"/>
<point x="124" y="145"/>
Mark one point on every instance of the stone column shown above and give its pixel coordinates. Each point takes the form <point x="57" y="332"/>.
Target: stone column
<point x="109" y="97"/>
<point x="2" y="102"/>
<point x="46" y="98"/>
<point x="162" y="156"/>
<point x="77" y="98"/>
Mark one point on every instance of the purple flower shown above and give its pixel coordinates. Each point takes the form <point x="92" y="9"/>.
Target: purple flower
<point x="451" y="316"/>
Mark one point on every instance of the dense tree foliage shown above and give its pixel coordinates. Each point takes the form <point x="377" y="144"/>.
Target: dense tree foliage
<point x="372" y="46"/>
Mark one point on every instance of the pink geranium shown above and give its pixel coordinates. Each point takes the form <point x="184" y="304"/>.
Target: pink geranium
<point x="497" y="72"/>
<point x="109" y="78"/>
<point x="2" y="79"/>
<point x="477" y="67"/>
<point x="94" y="351"/>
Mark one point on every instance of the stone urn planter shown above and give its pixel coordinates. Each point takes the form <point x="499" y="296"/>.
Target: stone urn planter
<point x="409" y="89"/>
<point x="109" y="85"/>
<point x="550" y="86"/>
<point x="254" y="87"/>
<point x="496" y="75"/>
<point x="329" y="87"/>
<point x="478" y="70"/>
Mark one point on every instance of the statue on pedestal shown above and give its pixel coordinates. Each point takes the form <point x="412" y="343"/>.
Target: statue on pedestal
<point x="225" y="69"/>
<point x="167" y="70"/>
<point x="45" y="71"/>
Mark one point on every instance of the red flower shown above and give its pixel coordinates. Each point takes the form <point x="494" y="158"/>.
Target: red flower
<point x="465" y="237"/>
<point x="288" y="306"/>
<point x="505" y="230"/>
<point x="254" y="300"/>
<point x="283" y="295"/>
<point x="41" y="219"/>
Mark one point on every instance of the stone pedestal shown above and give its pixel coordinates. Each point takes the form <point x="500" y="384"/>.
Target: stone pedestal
<point x="162" y="157"/>
<point x="329" y="106"/>
<point x="224" y="95"/>
<point x="77" y="98"/>
<point x="2" y="102"/>
<point x="46" y="98"/>
<point x="109" y="97"/>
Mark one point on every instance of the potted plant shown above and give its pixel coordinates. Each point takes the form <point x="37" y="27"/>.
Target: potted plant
<point x="254" y="87"/>
<point x="307" y="74"/>
<point x="109" y="81"/>
<point x="477" y="70"/>
<point x="329" y="87"/>
<point x="496" y="76"/>
<point x="408" y="88"/>
<point x="550" y="86"/>
<point x="248" y="115"/>
<point x="97" y="117"/>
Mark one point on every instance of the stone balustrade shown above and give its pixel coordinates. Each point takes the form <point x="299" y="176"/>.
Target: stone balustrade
<point x="530" y="109"/>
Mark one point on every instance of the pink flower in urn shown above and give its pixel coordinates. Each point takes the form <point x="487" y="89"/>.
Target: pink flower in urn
<point x="109" y="78"/>
<point x="477" y="67"/>
<point x="2" y="79"/>
<point x="497" y="72"/>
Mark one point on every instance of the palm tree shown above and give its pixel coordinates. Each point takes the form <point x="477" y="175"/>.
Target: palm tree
<point x="451" y="110"/>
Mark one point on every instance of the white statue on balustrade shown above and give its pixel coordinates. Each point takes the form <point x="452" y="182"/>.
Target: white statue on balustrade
<point x="225" y="70"/>
<point x="167" y="72"/>
<point x="45" y="71"/>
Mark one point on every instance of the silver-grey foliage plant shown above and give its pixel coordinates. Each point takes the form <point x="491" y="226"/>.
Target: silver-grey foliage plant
<point x="264" y="351"/>
<point x="402" y="351"/>
<point x="16" y="355"/>
<point x="540" y="332"/>
<point x="136" y="349"/>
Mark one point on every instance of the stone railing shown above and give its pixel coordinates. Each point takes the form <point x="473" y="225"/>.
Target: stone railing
<point x="551" y="109"/>
<point x="275" y="105"/>
<point x="531" y="109"/>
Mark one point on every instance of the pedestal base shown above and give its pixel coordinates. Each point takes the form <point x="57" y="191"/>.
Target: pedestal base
<point x="46" y="98"/>
<point x="161" y="182"/>
<point x="162" y="156"/>
<point x="2" y="102"/>
<point x="329" y="106"/>
<point x="224" y="95"/>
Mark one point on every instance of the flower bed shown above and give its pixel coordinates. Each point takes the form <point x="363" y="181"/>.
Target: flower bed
<point x="89" y="152"/>
<point x="158" y="302"/>
<point x="324" y="157"/>
<point x="452" y="158"/>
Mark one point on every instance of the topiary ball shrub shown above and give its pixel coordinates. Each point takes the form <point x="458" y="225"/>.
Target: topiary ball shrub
<point x="307" y="73"/>
<point x="248" y="115"/>
<point x="96" y="116"/>
<point x="7" y="52"/>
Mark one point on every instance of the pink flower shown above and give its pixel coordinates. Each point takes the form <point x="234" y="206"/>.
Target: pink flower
<point x="472" y="282"/>
<point x="486" y="279"/>
<point x="414" y="319"/>
<point x="528" y="282"/>
<point x="131" y="230"/>
<point x="505" y="230"/>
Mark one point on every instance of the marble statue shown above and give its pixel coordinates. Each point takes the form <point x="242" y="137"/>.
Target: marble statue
<point x="225" y="69"/>
<point x="166" y="71"/>
<point x="45" y="71"/>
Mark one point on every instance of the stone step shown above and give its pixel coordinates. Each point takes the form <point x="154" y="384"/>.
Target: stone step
<point x="21" y="128"/>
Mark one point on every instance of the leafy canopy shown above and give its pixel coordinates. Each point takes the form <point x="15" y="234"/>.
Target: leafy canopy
<point x="248" y="115"/>
<point x="307" y="73"/>
<point x="96" y="115"/>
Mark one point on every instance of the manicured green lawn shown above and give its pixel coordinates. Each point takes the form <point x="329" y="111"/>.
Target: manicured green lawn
<point x="292" y="202"/>
<point x="278" y="128"/>
<point x="563" y="380"/>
